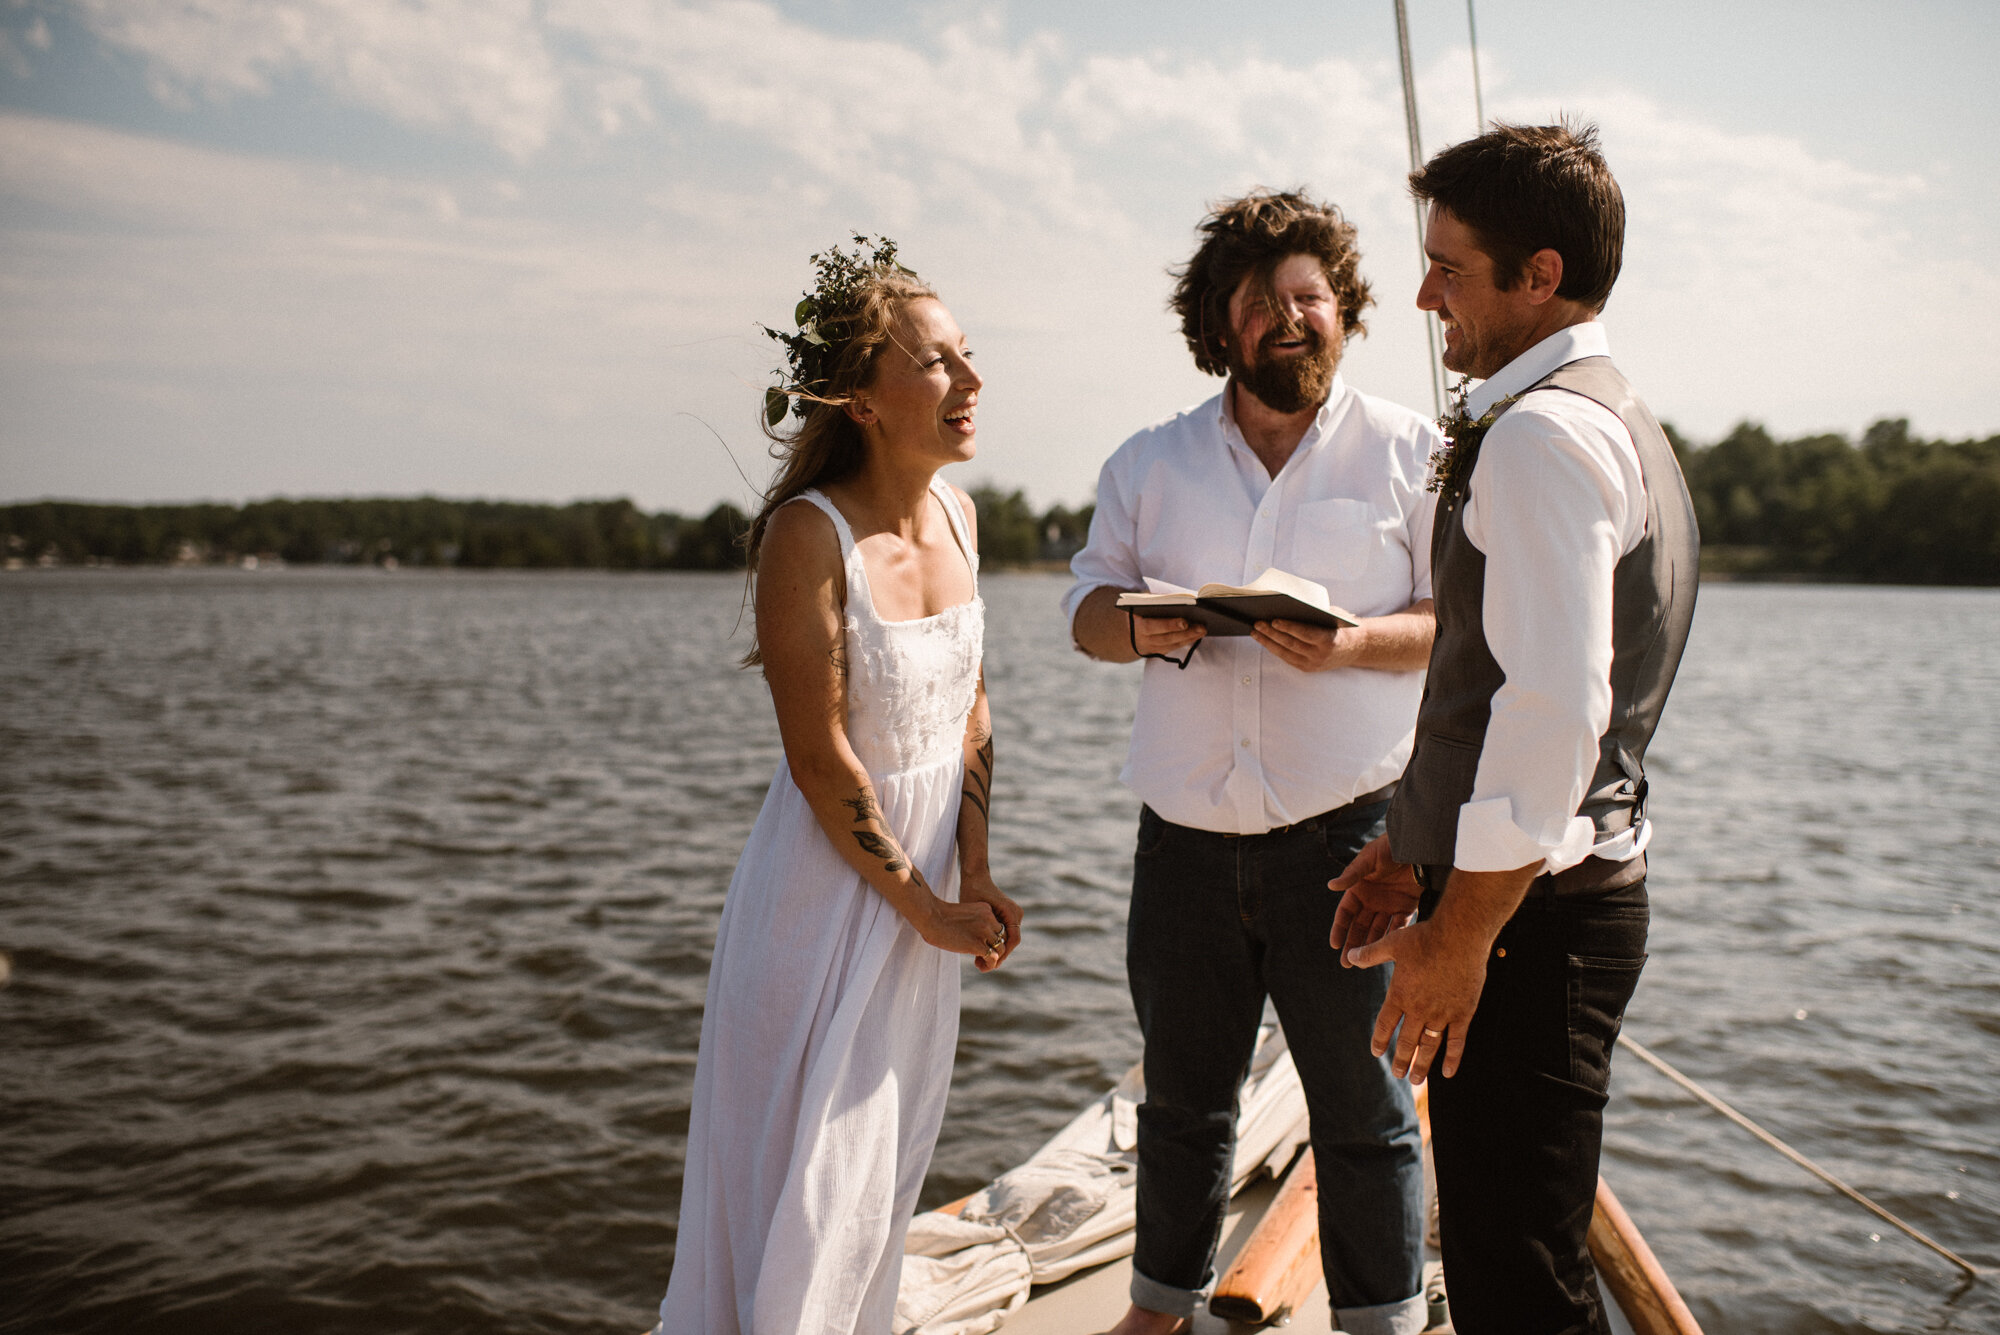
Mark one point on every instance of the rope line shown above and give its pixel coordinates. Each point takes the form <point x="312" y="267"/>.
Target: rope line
<point x="1640" y="1051"/>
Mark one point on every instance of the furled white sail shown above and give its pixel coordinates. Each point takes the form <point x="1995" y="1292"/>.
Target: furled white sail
<point x="1072" y="1204"/>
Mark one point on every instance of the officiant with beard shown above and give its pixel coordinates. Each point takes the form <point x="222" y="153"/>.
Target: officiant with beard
<point x="1266" y="762"/>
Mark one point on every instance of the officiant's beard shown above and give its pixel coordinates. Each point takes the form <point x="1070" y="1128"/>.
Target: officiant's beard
<point x="1288" y="384"/>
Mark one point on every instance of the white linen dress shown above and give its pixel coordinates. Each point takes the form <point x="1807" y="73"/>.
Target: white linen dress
<point x="827" y="1040"/>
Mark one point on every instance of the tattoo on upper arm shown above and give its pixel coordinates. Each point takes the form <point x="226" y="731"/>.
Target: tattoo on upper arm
<point x="838" y="657"/>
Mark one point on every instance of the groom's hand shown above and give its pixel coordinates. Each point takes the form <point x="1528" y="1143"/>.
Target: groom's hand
<point x="1441" y="968"/>
<point x="1377" y="895"/>
<point x="1432" y="995"/>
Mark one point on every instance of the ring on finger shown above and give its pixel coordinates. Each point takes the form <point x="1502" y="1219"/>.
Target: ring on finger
<point x="1433" y="1033"/>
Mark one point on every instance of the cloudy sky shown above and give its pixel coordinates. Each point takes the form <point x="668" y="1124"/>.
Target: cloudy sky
<point x="520" y="248"/>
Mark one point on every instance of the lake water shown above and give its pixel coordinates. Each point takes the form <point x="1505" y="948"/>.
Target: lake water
<point x="359" y="925"/>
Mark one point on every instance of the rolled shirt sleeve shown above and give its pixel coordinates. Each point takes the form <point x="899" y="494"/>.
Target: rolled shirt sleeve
<point x="1242" y="742"/>
<point x="1556" y="501"/>
<point x="1110" y="557"/>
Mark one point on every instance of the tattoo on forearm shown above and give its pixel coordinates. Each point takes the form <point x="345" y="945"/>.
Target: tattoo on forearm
<point x="876" y="840"/>
<point x="893" y="858"/>
<point x="978" y="789"/>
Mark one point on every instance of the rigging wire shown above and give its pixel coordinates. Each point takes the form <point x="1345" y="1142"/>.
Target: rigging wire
<point x="1638" y="1050"/>
<point x="1436" y="367"/>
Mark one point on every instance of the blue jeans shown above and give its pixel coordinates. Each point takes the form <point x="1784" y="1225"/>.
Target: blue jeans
<point x="1218" y="922"/>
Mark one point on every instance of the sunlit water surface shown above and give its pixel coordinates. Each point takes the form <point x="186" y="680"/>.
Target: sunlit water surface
<point x="359" y="926"/>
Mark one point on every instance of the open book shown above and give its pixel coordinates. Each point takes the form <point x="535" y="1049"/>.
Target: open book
<point x="1227" y="610"/>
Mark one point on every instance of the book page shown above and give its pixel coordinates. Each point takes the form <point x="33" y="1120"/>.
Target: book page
<point x="1274" y="581"/>
<point x="1159" y="594"/>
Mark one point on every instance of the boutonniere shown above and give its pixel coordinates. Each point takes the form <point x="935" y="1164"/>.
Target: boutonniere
<point x="1462" y="435"/>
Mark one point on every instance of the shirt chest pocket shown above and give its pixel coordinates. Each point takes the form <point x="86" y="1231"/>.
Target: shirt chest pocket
<point x="1343" y="542"/>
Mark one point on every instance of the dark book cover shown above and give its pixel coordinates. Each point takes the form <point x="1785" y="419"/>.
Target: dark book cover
<point x="1233" y="615"/>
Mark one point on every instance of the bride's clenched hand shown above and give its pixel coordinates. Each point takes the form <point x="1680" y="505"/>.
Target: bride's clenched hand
<point x="978" y="888"/>
<point x="971" y="928"/>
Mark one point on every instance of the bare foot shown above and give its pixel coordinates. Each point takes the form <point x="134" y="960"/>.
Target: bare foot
<point x="1144" y="1321"/>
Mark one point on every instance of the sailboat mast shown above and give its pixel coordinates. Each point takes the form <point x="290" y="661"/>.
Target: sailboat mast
<point x="1436" y="367"/>
<point x="1478" y="97"/>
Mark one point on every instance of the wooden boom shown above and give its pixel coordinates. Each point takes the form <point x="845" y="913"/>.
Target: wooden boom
<point x="1634" y="1275"/>
<point x="1279" y="1264"/>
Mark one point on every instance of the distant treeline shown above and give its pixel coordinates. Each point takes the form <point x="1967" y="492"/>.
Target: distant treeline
<point x="483" y="535"/>
<point x="1890" y="508"/>
<point x="609" y="535"/>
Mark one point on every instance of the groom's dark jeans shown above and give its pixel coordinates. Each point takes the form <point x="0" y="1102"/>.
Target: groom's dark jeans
<point x="1515" y="1133"/>
<point x="1219" y="921"/>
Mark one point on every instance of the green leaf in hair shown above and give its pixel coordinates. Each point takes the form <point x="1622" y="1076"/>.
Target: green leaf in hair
<point x="820" y="315"/>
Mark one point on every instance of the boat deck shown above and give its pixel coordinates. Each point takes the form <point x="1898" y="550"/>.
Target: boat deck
<point x="1094" y="1299"/>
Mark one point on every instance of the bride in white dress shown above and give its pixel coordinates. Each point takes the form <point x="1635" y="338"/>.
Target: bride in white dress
<point x="832" y="1011"/>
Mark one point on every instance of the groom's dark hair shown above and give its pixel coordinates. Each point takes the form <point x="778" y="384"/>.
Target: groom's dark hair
<point x="1524" y="188"/>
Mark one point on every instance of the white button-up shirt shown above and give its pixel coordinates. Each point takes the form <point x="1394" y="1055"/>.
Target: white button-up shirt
<point x="1556" y="499"/>
<point x="1242" y="742"/>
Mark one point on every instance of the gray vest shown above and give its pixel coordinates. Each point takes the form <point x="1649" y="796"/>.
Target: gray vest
<point x="1653" y="591"/>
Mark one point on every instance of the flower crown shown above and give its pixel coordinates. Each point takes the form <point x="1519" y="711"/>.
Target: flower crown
<point x="820" y="315"/>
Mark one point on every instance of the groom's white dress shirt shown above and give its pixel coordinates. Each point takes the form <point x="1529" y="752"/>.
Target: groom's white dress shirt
<point x="1556" y="499"/>
<point x="1241" y="742"/>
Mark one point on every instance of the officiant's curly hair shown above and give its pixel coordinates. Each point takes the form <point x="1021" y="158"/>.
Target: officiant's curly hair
<point x="1249" y="238"/>
<point x="1524" y="188"/>
<point x="827" y="446"/>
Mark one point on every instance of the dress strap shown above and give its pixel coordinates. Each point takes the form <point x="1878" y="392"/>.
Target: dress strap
<point x="954" y="514"/>
<point x="840" y="527"/>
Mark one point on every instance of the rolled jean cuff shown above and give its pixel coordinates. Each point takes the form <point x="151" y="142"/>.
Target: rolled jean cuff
<point x="1154" y="1296"/>
<point x="1407" y="1317"/>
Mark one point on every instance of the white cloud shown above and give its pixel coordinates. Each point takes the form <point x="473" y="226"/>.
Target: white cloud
<point x="543" y="333"/>
<point x="226" y="325"/>
<point x="1764" y="280"/>
<point x="95" y="177"/>
<point x="439" y="64"/>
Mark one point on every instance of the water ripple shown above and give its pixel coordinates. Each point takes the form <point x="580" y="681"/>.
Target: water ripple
<point x="360" y="925"/>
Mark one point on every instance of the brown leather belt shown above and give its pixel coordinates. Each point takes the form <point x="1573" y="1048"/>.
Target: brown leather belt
<point x="1382" y="794"/>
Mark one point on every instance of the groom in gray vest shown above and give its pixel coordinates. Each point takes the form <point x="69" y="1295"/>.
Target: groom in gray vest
<point x="1564" y="565"/>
